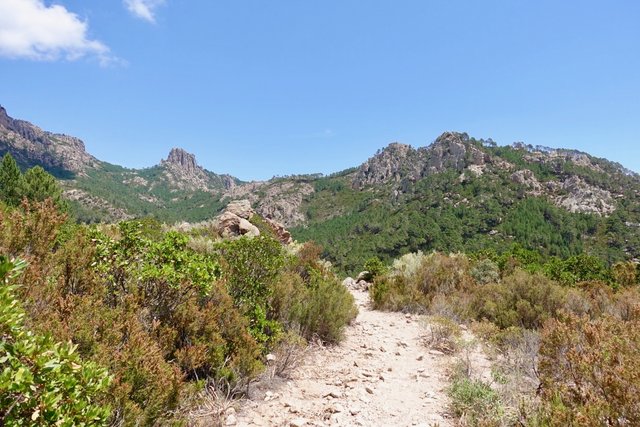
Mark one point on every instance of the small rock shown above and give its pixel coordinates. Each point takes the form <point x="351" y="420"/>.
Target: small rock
<point x="381" y="377"/>
<point x="383" y="350"/>
<point x="231" y="420"/>
<point x="270" y="357"/>
<point x="355" y="364"/>
<point x="397" y="353"/>
<point x="419" y="358"/>
<point x="298" y="422"/>
<point x="354" y="411"/>
<point x="389" y="369"/>
<point x="369" y="390"/>
<point x="333" y="394"/>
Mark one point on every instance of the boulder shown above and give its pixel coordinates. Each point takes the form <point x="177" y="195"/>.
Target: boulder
<point x="231" y="225"/>
<point x="349" y="283"/>
<point x="241" y="208"/>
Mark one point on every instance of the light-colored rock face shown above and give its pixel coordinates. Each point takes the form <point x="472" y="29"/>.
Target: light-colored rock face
<point x="401" y="164"/>
<point x="279" y="201"/>
<point x="392" y="164"/>
<point x="527" y="179"/>
<point x="579" y="196"/>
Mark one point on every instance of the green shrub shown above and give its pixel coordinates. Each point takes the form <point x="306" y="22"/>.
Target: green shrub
<point x="250" y="269"/>
<point x="523" y="300"/>
<point x="308" y="297"/>
<point x="375" y="268"/>
<point x="43" y="382"/>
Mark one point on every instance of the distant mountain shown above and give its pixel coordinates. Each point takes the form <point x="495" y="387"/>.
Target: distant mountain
<point x="62" y="155"/>
<point x="458" y="193"/>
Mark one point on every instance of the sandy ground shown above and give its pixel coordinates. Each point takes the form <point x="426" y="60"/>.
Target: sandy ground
<point x="380" y="375"/>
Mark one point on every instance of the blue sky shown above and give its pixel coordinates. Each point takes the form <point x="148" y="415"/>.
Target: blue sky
<point x="257" y="88"/>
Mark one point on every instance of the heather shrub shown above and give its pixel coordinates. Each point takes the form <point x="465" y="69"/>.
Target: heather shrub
<point x="309" y="297"/>
<point x="589" y="371"/>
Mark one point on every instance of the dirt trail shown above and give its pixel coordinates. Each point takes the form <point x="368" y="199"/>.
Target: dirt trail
<point x="380" y="375"/>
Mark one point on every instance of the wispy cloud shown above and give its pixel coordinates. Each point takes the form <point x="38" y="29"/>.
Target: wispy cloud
<point x="144" y="9"/>
<point x="30" y="29"/>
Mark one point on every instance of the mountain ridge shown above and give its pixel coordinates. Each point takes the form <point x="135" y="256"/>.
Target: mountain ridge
<point x="470" y="190"/>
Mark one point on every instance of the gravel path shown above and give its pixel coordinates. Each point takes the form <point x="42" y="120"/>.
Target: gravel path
<point x="380" y="375"/>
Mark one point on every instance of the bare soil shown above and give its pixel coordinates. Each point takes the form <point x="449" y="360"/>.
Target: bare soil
<point x="382" y="374"/>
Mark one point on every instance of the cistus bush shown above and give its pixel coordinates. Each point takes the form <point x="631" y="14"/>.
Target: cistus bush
<point x="43" y="382"/>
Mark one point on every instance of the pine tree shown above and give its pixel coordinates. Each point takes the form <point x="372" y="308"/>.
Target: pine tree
<point x="11" y="181"/>
<point x="40" y="185"/>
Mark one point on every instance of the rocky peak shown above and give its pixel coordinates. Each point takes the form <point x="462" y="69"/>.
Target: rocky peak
<point x="452" y="150"/>
<point x="5" y="120"/>
<point x="393" y="163"/>
<point x="183" y="159"/>
<point x="403" y="164"/>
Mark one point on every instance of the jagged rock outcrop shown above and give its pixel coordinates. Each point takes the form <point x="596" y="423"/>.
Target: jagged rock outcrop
<point x="394" y="163"/>
<point x="402" y="164"/>
<point x="30" y="145"/>
<point x="277" y="201"/>
<point x="183" y="160"/>
<point x="235" y="221"/>
<point x="527" y="179"/>
<point x="452" y="150"/>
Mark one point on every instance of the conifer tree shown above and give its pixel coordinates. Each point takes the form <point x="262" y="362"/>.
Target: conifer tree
<point x="11" y="181"/>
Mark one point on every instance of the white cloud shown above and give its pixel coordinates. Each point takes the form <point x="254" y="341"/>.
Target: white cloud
<point x="144" y="9"/>
<point x="30" y="29"/>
